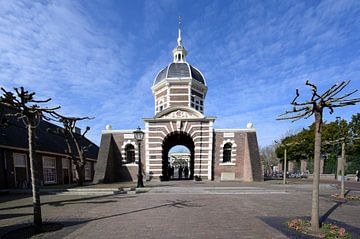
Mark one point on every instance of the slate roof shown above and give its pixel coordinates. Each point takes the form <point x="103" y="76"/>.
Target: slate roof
<point x="15" y="135"/>
<point x="179" y="70"/>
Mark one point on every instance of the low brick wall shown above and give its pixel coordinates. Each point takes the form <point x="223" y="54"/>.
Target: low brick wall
<point x="349" y="177"/>
<point x="324" y="176"/>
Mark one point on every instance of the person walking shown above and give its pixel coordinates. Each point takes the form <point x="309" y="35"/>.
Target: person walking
<point x="180" y="172"/>
<point x="172" y="172"/>
<point x="186" y="172"/>
<point x="357" y="175"/>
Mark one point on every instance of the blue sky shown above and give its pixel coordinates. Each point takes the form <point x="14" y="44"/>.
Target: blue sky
<point x="99" y="58"/>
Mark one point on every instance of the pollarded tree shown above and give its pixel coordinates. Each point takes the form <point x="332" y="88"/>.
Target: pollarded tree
<point x="25" y="108"/>
<point x="75" y="147"/>
<point x="315" y="106"/>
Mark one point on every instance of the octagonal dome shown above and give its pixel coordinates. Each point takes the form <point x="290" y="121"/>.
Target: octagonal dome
<point x="178" y="70"/>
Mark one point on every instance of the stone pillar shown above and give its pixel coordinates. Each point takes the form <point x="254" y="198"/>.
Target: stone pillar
<point x="303" y="165"/>
<point x="291" y="166"/>
<point x="338" y="168"/>
<point x="321" y="166"/>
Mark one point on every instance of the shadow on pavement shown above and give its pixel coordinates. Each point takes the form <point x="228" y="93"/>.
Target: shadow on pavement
<point x="10" y="197"/>
<point x="12" y="215"/>
<point x="69" y="226"/>
<point x="68" y="201"/>
<point x="333" y="208"/>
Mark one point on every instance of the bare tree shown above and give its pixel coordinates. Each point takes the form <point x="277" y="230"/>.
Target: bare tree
<point x="268" y="156"/>
<point x="315" y="106"/>
<point x="23" y="106"/>
<point x="75" y="148"/>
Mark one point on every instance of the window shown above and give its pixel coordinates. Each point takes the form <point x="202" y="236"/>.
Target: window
<point x="20" y="170"/>
<point x="129" y="153"/>
<point x="227" y="153"/>
<point x="65" y="163"/>
<point x="20" y="160"/>
<point x="197" y="101"/>
<point x="74" y="173"/>
<point x="88" y="171"/>
<point x="49" y="169"/>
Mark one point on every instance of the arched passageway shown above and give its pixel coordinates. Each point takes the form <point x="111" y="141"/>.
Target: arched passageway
<point x="171" y="140"/>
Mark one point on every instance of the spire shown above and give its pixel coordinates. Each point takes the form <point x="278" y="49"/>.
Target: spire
<point x="179" y="52"/>
<point x="179" y="41"/>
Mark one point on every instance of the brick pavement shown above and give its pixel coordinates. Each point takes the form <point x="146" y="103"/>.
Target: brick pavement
<point x="172" y="215"/>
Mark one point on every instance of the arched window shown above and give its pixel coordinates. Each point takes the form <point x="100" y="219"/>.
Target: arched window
<point x="129" y="153"/>
<point x="227" y="153"/>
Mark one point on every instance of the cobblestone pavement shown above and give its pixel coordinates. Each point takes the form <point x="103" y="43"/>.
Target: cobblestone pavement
<point x="245" y="211"/>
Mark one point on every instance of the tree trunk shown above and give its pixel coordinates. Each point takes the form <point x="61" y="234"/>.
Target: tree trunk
<point x="34" y="179"/>
<point x="316" y="174"/>
<point x="285" y="168"/>
<point x="342" y="193"/>
<point x="80" y="169"/>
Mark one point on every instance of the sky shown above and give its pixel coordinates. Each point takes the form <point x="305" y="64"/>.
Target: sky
<point x="100" y="58"/>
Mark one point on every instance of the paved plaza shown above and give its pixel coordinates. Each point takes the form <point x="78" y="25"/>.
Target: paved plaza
<point x="182" y="210"/>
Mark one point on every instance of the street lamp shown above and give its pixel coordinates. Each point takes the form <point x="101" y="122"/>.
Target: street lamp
<point x="139" y="136"/>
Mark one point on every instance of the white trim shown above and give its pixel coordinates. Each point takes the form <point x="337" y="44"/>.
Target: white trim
<point x="211" y="135"/>
<point x="155" y="137"/>
<point x="233" y="149"/>
<point x="199" y="131"/>
<point x="136" y="153"/>
<point x="236" y="130"/>
<point x="146" y="140"/>
<point x="201" y="159"/>
<point x="156" y="169"/>
<point x="227" y="164"/>
<point x="157" y="142"/>
<point x="201" y="142"/>
<point x="129" y="165"/>
<point x="184" y="126"/>
<point x="200" y="136"/>
<point x="171" y="126"/>
<point x="159" y="91"/>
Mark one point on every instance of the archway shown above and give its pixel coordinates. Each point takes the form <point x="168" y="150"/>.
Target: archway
<point x="171" y="140"/>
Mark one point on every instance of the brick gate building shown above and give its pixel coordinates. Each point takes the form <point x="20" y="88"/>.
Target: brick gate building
<point x="179" y="92"/>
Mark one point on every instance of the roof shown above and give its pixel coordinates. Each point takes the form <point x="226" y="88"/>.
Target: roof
<point x="15" y="135"/>
<point x="178" y="70"/>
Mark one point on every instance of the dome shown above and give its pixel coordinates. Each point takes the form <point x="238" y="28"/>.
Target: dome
<point x="178" y="70"/>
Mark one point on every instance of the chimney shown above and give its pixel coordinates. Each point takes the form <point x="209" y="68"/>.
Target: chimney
<point x="77" y="130"/>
